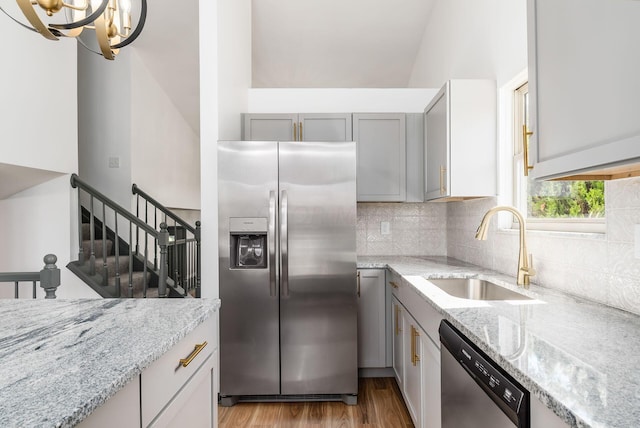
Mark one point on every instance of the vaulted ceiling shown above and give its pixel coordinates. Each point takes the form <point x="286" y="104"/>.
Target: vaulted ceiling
<point x="295" y="43"/>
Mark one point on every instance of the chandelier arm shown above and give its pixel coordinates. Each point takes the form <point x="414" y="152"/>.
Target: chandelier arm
<point x="31" y="15"/>
<point x="136" y="32"/>
<point x="88" y="20"/>
<point x="18" y="22"/>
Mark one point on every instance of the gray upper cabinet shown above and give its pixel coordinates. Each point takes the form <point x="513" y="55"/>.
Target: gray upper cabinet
<point x="415" y="157"/>
<point x="584" y="89"/>
<point x="324" y="127"/>
<point x="269" y="127"/>
<point x="381" y="146"/>
<point x="460" y="141"/>
<point x="297" y="127"/>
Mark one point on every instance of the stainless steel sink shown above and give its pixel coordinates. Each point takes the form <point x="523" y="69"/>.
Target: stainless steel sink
<point x="476" y="289"/>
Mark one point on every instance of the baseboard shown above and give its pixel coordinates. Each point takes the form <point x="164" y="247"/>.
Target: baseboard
<point x="376" y="372"/>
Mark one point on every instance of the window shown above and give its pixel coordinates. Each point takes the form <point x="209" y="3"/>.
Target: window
<point x="552" y="205"/>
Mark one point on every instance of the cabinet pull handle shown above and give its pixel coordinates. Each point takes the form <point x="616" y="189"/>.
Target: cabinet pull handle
<point x="443" y="189"/>
<point x="413" y="347"/>
<point x="393" y="284"/>
<point x="525" y="149"/>
<point x="358" y="284"/>
<point x="300" y="135"/>
<point x="414" y="335"/>
<point x="295" y="131"/>
<point x="186" y="361"/>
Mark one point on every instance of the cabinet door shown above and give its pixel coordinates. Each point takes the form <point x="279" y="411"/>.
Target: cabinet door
<point x="371" y="318"/>
<point x="269" y="127"/>
<point x="325" y="127"/>
<point x="412" y="368"/>
<point x="430" y="371"/>
<point x="194" y="406"/>
<point x="122" y="410"/>
<point x="437" y="147"/>
<point x="583" y="85"/>
<point x="415" y="157"/>
<point x="381" y="157"/>
<point x="398" y="343"/>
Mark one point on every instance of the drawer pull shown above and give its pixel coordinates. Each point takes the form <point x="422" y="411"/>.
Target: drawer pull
<point x="393" y="284"/>
<point x="186" y="361"/>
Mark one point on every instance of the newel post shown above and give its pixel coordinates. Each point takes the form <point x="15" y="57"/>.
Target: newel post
<point x="50" y="276"/>
<point x="198" y="234"/>
<point x="163" y="242"/>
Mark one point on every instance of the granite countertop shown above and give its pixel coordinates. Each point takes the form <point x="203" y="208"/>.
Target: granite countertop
<point x="61" y="359"/>
<point x="577" y="357"/>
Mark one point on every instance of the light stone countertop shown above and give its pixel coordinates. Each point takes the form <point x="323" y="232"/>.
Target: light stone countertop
<point x="579" y="357"/>
<point x="61" y="359"/>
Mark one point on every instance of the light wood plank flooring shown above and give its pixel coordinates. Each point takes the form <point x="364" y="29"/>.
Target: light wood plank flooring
<point x="380" y="405"/>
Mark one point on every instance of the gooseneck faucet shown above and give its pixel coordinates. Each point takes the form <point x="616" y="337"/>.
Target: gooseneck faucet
<point x="525" y="264"/>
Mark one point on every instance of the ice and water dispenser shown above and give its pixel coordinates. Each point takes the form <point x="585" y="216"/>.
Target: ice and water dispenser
<point x="248" y="238"/>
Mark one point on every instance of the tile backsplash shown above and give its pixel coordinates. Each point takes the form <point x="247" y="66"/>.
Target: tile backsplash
<point x="415" y="229"/>
<point x="599" y="267"/>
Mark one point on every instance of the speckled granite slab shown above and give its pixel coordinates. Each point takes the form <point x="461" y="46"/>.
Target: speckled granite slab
<point x="61" y="359"/>
<point x="579" y="358"/>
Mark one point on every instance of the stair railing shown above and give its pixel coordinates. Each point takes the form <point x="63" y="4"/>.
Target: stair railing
<point x="159" y="237"/>
<point x="49" y="278"/>
<point x="184" y="241"/>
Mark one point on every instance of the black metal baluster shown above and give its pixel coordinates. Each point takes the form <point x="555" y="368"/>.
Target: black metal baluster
<point x="144" y="271"/>
<point x="117" y="252"/>
<point x="81" y="250"/>
<point x="155" y="243"/>
<point x="92" y="232"/>
<point x="130" y="288"/>
<point x="105" y="269"/>
<point x="198" y="258"/>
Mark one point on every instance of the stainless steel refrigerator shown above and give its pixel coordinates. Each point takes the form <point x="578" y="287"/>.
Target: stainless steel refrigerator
<point x="288" y="321"/>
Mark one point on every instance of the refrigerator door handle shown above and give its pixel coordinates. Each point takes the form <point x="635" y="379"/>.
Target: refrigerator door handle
<point x="272" y="243"/>
<point x="284" y="244"/>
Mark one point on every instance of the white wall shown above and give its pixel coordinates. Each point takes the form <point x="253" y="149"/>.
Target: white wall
<point x="234" y="65"/>
<point x="357" y="100"/>
<point x="165" y="151"/>
<point x="104" y="123"/>
<point x="38" y="127"/>
<point x="472" y="39"/>
<point x="39" y="221"/>
<point x="38" y="100"/>
<point x="208" y="141"/>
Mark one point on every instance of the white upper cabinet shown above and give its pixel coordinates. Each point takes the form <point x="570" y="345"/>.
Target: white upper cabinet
<point x="584" y="87"/>
<point x="460" y="141"/>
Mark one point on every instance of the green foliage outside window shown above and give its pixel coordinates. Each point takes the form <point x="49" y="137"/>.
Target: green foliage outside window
<point x="565" y="199"/>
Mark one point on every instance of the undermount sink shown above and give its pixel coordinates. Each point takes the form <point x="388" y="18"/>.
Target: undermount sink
<point x="475" y="289"/>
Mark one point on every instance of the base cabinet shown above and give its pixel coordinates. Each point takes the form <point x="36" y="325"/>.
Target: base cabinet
<point x="416" y="360"/>
<point x="371" y="318"/>
<point x="167" y="394"/>
<point x="398" y="343"/>
<point x="422" y="375"/>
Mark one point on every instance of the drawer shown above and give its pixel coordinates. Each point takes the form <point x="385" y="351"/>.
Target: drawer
<point x="164" y="378"/>
<point x="395" y="282"/>
<point x="428" y="318"/>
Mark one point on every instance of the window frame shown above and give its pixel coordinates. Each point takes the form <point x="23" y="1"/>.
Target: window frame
<point x="513" y="139"/>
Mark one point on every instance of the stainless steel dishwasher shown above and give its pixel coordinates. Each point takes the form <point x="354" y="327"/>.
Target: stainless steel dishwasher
<point x="475" y="391"/>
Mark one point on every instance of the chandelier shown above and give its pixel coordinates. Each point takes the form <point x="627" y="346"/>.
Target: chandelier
<point x="110" y="20"/>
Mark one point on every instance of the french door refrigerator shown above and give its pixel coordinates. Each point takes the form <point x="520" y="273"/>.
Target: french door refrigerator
<point x="288" y="321"/>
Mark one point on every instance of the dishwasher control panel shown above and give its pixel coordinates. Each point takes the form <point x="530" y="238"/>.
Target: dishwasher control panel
<point x="489" y="375"/>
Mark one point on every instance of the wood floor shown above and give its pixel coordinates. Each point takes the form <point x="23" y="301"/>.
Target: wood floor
<point x="380" y="405"/>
